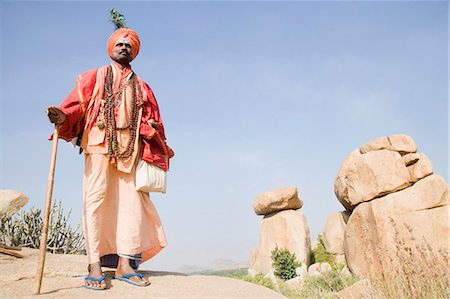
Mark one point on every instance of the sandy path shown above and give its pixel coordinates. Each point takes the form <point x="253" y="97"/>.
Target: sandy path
<point x="64" y="279"/>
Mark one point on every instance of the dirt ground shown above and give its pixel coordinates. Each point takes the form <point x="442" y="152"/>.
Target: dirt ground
<point x="64" y="278"/>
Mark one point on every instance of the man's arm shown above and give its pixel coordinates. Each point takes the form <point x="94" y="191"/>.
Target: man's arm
<point x="70" y="114"/>
<point x="151" y="123"/>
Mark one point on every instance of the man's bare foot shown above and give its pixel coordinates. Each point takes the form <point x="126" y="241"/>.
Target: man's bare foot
<point x="124" y="268"/>
<point x="94" y="280"/>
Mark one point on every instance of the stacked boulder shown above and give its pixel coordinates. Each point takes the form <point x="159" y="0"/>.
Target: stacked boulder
<point x="395" y="201"/>
<point x="282" y="226"/>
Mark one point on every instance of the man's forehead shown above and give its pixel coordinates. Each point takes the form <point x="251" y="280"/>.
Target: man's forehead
<point x="123" y="40"/>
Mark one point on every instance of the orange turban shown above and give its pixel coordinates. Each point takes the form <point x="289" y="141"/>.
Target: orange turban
<point x="129" y="34"/>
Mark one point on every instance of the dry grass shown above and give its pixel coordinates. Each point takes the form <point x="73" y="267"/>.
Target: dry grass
<point x="323" y="286"/>
<point x="416" y="271"/>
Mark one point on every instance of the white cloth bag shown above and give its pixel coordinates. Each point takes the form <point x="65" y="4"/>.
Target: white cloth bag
<point x="150" y="178"/>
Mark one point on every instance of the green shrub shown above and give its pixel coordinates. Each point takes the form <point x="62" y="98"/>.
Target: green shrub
<point x="25" y="229"/>
<point x="320" y="255"/>
<point x="284" y="263"/>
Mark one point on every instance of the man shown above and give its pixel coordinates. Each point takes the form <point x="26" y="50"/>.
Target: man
<point x="116" y="118"/>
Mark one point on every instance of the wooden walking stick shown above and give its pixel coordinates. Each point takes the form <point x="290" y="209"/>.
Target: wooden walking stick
<point x="48" y="204"/>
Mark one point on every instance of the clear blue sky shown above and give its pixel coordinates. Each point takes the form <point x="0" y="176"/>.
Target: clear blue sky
<point x="254" y="96"/>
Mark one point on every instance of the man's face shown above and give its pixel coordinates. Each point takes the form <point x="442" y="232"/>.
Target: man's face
<point x="122" y="52"/>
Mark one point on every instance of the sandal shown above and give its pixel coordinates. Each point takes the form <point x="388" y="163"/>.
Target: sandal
<point x="127" y="279"/>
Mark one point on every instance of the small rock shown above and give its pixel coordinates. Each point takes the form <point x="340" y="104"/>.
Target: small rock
<point x="313" y="270"/>
<point x="340" y="259"/>
<point x="375" y="145"/>
<point x="325" y="267"/>
<point x="319" y="269"/>
<point x="402" y="144"/>
<point x="420" y="169"/>
<point x="346" y="271"/>
<point x="411" y="158"/>
<point x="302" y="270"/>
<point x="252" y="272"/>
<point x="11" y="201"/>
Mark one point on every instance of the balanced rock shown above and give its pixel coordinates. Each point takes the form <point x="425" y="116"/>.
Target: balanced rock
<point x="277" y="200"/>
<point x="286" y="230"/>
<point x="11" y="201"/>
<point x="333" y="233"/>
<point x="363" y="177"/>
<point x="415" y="217"/>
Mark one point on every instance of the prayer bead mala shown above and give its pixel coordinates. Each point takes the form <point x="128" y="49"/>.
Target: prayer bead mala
<point x="110" y="119"/>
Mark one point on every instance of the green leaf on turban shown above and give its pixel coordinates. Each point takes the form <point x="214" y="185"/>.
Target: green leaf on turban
<point x="117" y="18"/>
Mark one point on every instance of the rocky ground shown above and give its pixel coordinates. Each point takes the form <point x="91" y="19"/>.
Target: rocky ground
<point x="64" y="278"/>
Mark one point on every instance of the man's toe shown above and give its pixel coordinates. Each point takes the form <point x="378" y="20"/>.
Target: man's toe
<point x="141" y="281"/>
<point x="96" y="284"/>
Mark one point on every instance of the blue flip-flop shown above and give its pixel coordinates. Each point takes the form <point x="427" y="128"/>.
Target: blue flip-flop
<point x="99" y="280"/>
<point x="127" y="279"/>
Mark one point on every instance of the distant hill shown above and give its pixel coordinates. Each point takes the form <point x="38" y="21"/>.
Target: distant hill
<point x="216" y="267"/>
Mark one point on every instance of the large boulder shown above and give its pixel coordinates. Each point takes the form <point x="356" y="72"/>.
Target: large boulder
<point x="363" y="177"/>
<point x="333" y="233"/>
<point x="286" y="230"/>
<point x="277" y="200"/>
<point x="416" y="217"/>
<point x="11" y="201"/>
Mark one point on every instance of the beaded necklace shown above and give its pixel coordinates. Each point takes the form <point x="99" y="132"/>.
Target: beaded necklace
<point x="110" y="119"/>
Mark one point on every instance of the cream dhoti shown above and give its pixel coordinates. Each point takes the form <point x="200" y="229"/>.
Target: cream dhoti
<point x="117" y="219"/>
